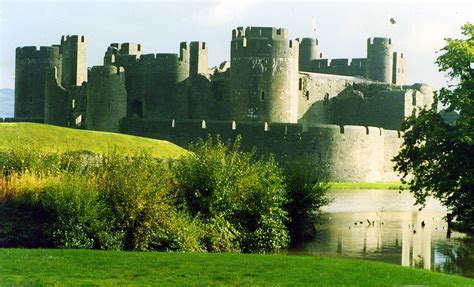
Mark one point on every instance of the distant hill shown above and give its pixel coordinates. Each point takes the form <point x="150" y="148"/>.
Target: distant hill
<point x="48" y="138"/>
<point x="7" y="99"/>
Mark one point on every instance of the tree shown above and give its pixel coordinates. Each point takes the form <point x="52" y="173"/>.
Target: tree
<point x="437" y="157"/>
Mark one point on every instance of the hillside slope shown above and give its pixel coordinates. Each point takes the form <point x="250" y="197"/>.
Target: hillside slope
<point x="48" y="138"/>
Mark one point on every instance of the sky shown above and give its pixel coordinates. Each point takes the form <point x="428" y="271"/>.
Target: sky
<point x="342" y="27"/>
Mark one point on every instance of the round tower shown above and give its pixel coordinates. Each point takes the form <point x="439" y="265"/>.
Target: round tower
<point x="309" y="51"/>
<point x="264" y="75"/>
<point x="106" y="98"/>
<point x="30" y="77"/>
<point x="380" y="59"/>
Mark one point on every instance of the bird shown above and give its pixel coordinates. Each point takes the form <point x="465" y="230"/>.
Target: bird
<point x="414" y="231"/>
<point x="392" y="21"/>
<point x="423" y="224"/>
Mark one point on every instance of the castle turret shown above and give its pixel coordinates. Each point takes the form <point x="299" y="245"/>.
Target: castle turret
<point x="399" y="69"/>
<point x="30" y="78"/>
<point x="309" y="51"/>
<point x="380" y="59"/>
<point x="106" y="98"/>
<point x="264" y="69"/>
<point x="74" y="60"/>
<point x="198" y="58"/>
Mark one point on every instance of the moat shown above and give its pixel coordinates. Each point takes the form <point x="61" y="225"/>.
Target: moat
<point x="401" y="239"/>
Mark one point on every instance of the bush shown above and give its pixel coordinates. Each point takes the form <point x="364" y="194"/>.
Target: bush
<point x="306" y="195"/>
<point x="239" y="198"/>
<point x="139" y="195"/>
<point x="54" y="211"/>
<point x="217" y="199"/>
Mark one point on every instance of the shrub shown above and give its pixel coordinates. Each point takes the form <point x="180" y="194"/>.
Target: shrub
<point x="138" y="193"/>
<point x="54" y="211"/>
<point x="306" y="195"/>
<point x="78" y="215"/>
<point x="239" y="198"/>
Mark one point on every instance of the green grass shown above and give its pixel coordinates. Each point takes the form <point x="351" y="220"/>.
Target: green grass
<point x="85" y="267"/>
<point x="364" y="185"/>
<point x="48" y="138"/>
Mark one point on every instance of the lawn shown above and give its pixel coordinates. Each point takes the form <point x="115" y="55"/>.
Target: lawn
<point x="86" y="267"/>
<point x="364" y="185"/>
<point x="47" y="138"/>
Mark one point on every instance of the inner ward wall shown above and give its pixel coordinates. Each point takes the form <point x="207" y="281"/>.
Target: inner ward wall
<point x="314" y="89"/>
<point x="346" y="153"/>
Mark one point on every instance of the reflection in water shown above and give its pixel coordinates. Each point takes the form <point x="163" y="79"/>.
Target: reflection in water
<point x="384" y="225"/>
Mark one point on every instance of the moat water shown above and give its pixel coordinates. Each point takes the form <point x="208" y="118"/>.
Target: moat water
<point x="395" y="233"/>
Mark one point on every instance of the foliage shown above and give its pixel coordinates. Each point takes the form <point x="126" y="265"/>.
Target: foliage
<point x="59" y="211"/>
<point x="240" y="196"/>
<point x="138" y="194"/>
<point x="306" y="195"/>
<point x="437" y="158"/>
<point x="217" y="199"/>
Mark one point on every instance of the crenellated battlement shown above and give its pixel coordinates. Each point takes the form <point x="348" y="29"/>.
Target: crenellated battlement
<point x="73" y="39"/>
<point x="258" y="41"/>
<point x="260" y="32"/>
<point x="125" y="49"/>
<point x="345" y="67"/>
<point x="169" y="60"/>
<point x="379" y="41"/>
<point x="260" y="128"/>
<point x="105" y="71"/>
<point x="32" y="52"/>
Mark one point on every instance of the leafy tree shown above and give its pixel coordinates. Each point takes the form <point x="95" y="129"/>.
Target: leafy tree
<point x="437" y="157"/>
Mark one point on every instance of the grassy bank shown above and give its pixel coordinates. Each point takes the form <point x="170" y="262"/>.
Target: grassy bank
<point x="364" y="185"/>
<point x="72" y="267"/>
<point x="48" y="138"/>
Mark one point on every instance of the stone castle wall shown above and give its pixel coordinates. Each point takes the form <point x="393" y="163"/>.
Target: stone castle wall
<point x="347" y="153"/>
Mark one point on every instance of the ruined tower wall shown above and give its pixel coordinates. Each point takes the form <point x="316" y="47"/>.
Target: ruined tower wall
<point x="106" y="98"/>
<point x="30" y="78"/>
<point x="399" y="69"/>
<point x="57" y="102"/>
<point x="122" y="54"/>
<point x="74" y="60"/>
<point x="314" y="90"/>
<point x="264" y="71"/>
<point x="198" y="58"/>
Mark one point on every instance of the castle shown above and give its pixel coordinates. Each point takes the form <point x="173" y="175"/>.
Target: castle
<point x="281" y="95"/>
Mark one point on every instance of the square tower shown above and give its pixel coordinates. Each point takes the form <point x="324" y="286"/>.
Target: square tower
<point x="74" y="60"/>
